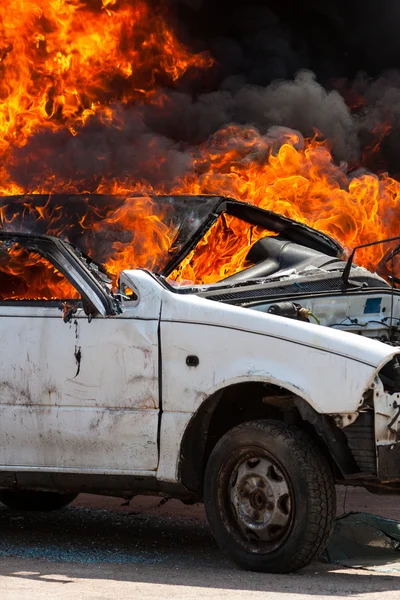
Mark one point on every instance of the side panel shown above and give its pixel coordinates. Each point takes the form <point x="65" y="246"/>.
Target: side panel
<point x="80" y="395"/>
<point x="76" y="440"/>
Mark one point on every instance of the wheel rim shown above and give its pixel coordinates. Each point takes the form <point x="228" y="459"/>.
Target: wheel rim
<point x="261" y="503"/>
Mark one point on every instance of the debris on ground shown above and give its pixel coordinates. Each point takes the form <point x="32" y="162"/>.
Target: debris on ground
<point x="364" y="540"/>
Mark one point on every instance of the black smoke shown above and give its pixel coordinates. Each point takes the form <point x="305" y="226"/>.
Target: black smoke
<point x="265" y="40"/>
<point x="328" y="67"/>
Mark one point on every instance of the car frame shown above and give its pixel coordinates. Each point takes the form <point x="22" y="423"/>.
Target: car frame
<point x="162" y="389"/>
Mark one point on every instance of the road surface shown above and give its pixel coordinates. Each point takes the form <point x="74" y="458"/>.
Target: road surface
<point x="98" y="549"/>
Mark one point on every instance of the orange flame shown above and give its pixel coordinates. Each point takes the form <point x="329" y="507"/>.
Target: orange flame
<point x="63" y="61"/>
<point x="298" y="181"/>
<point x="29" y="276"/>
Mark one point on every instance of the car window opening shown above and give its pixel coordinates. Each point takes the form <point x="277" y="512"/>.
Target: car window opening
<point x="26" y="275"/>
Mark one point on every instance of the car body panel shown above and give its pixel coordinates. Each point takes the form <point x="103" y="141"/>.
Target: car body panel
<point x="81" y="395"/>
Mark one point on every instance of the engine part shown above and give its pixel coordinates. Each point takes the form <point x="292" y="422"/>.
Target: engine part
<point x="291" y="310"/>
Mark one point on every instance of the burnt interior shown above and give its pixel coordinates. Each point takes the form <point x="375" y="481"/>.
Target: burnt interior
<point x="93" y="223"/>
<point x="98" y="223"/>
<point x="270" y="255"/>
<point x="293" y="247"/>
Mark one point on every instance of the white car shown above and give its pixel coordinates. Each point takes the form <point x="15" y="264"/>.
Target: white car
<point x="158" y="389"/>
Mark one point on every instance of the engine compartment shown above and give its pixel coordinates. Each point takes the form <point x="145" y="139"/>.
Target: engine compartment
<point x="295" y="281"/>
<point x="273" y="255"/>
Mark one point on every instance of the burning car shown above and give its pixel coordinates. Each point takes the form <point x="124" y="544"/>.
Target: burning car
<point x="254" y="393"/>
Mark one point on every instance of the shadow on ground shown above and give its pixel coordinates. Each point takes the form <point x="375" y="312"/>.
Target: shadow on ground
<point x="151" y="547"/>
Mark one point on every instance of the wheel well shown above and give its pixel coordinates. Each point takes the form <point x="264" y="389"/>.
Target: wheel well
<point x="243" y="402"/>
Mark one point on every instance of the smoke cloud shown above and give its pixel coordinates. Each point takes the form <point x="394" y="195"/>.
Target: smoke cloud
<point x="309" y="66"/>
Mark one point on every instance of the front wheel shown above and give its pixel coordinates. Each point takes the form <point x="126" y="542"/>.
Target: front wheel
<point x="270" y="497"/>
<point x="35" y="501"/>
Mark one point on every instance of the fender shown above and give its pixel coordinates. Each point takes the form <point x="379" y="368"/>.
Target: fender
<point x="330" y="369"/>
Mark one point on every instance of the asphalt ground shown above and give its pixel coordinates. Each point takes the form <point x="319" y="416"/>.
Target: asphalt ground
<point x="99" y="549"/>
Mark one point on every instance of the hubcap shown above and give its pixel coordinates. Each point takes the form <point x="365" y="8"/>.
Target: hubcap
<point x="260" y="499"/>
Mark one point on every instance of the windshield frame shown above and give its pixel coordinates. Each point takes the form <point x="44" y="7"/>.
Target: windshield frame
<point x="266" y="219"/>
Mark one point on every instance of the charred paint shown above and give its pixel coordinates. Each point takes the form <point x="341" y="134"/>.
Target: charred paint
<point x="78" y="358"/>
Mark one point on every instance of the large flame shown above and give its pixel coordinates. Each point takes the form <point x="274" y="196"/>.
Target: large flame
<point x="61" y="61"/>
<point x="64" y="61"/>
<point x="298" y="179"/>
<point x="29" y="276"/>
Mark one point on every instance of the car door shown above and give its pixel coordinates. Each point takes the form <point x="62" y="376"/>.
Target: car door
<point x="79" y="393"/>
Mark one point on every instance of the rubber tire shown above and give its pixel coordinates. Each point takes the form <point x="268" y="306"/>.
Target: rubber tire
<point x="312" y="487"/>
<point x="35" y="501"/>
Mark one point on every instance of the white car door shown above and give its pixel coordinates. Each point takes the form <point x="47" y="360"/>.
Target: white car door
<point x="78" y="396"/>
